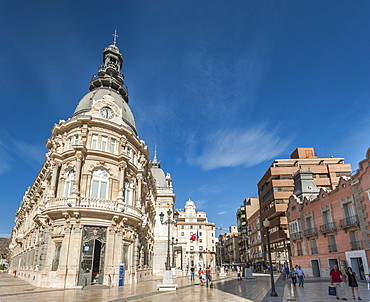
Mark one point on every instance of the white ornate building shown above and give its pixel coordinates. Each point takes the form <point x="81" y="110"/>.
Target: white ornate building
<point x="202" y="250"/>
<point x="92" y="205"/>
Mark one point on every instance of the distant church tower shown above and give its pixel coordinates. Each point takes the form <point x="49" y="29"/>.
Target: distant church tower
<point x="165" y="201"/>
<point x="92" y="204"/>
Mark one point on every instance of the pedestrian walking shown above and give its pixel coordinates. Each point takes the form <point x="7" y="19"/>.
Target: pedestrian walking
<point x="201" y="276"/>
<point x="238" y="271"/>
<point x="352" y="282"/>
<point x="293" y="276"/>
<point x="208" y="277"/>
<point x="300" y="274"/>
<point x="192" y="270"/>
<point x="336" y="279"/>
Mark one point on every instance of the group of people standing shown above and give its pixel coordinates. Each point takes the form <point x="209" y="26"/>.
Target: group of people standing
<point x="337" y="278"/>
<point x="203" y="276"/>
<point x="296" y="273"/>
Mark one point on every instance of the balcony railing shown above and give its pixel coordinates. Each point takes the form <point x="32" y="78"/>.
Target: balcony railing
<point x="92" y="204"/>
<point x="348" y="222"/>
<point x="355" y="245"/>
<point x="310" y="232"/>
<point x="328" y="227"/>
<point x="314" y="250"/>
<point x="296" y="235"/>
<point x="333" y="248"/>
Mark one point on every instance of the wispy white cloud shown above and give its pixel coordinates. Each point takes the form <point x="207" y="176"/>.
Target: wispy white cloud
<point x="33" y="154"/>
<point x="222" y="213"/>
<point x="211" y="189"/>
<point x="5" y="158"/>
<point x="232" y="148"/>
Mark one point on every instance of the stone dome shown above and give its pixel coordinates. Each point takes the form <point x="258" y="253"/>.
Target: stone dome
<point x="86" y="103"/>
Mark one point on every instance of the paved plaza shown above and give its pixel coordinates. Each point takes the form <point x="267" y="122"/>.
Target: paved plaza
<point x="225" y="289"/>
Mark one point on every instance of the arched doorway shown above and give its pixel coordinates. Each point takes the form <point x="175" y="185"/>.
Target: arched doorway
<point x="92" y="256"/>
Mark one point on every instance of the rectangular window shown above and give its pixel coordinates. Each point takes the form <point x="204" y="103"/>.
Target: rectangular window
<point x="75" y="140"/>
<point x="103" y="190"/>
<point x="70" y="143"/>
<point x="191" y="226"/>
<point x="95" y="189"/>
<point x="182" y="226"/>
<point x="200" y="233"/>
<point x="201" y="248"/>
<point x="113" y="146"/>
<point x="94" y="142"/>
<point x="182" y="234"/>
<point x="200" y="226"/>
<point x="104" y="141"/>
<point x="299" y="248"/>
<point x="200" y="240"/>
<point x="192" y="248"/>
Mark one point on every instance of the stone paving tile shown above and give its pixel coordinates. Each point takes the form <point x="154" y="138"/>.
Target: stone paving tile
<point x="225" y="289"/>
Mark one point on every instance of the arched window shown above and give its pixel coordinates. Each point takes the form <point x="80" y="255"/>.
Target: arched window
<point x="99" y="184"/>
<point x="69" y="183"/>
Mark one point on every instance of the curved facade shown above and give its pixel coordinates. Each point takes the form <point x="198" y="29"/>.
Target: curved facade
<point x="92" y="204"/>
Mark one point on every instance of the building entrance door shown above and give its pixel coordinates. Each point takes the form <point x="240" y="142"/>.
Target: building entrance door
<point x="357" y="267"/>
<point x="315" y="268"/>
<point x="92" y="256"/>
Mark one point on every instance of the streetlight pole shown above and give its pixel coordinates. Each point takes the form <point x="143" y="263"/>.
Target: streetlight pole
<point x="173" y="242"/>
<point x="266" y="224"/>
<point x="169" y="221"/>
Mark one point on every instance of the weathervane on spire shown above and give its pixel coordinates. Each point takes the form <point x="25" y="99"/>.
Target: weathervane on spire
<point x="115" y="36"/>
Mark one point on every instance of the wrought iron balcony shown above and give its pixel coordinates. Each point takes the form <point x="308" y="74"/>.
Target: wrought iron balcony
<point x="348" y="222"/>
<point x="355" y="245"/>
<point x="310" y="232"/>
<point x="333" y="248"/>
<point x="328" y="227"/>
<point x="314" y="250"/>
<point x="296" y="235"/>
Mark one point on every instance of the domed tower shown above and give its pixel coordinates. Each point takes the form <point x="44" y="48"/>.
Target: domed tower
<point x="92" y="204"/>
<point x="165" y="201"/>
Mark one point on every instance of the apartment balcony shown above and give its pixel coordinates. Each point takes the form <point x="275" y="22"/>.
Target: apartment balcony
<point x="275" y="210"/>
<point x="327" y="228"/>
<point x="356" y="245"/>
<point x="314" y="250"/>
<point x="349" y="222"/>
<point x="277" y="236"/>
<point x="332" y="248"/>
<point x="296" y="236"/>
<point x="310" y="232"/>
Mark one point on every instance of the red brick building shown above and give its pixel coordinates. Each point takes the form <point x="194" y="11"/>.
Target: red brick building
<point x="330" y="227"/>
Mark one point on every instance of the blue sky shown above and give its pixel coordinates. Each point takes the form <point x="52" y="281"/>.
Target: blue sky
<point x="222" y="88"/>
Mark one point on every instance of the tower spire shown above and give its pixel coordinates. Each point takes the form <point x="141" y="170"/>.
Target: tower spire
<point x="155" y="162"/>
<point x="115" y="36"/>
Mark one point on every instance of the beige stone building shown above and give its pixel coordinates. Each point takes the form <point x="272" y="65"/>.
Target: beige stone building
<point x="202" y="250"/>
<point x="92" y="206"/>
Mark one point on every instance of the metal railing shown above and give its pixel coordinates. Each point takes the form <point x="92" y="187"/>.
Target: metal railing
<point x="314" y="250"/>
<point x="328" y="227"/>
<point x="310" y="232"/>
<point x="355" y="245"/>
<point x="332" y="248"/>
<point x="348" y="222"/>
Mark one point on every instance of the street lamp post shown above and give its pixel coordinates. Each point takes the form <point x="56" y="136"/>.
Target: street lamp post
<point x="173" y="242"/>
<point x="169" y="221"/>
<point x="266" y="224"/>
<point x="168" y="278"/>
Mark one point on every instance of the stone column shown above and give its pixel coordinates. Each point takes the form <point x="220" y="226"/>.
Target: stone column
<point x="76" y="184"/>
<point x="121" y="187"/>
<point x="51" y="193"/>
<point x="138" y="191"/>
